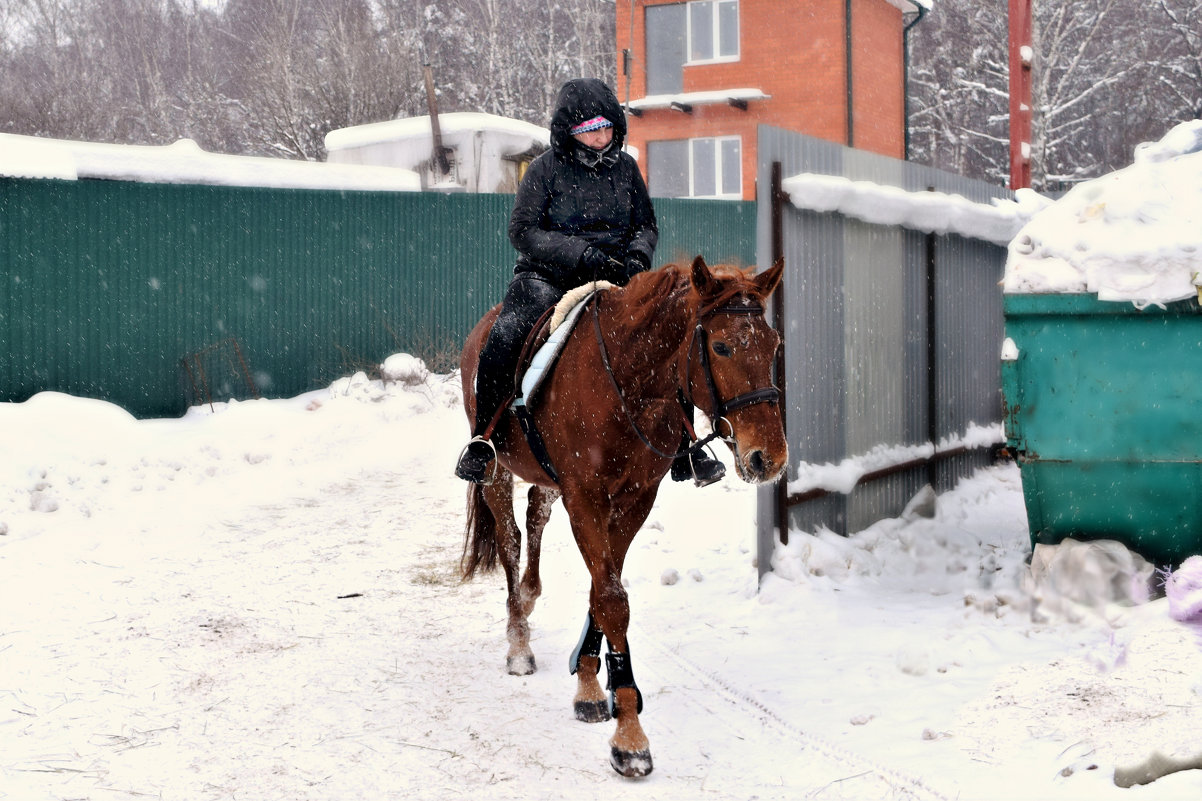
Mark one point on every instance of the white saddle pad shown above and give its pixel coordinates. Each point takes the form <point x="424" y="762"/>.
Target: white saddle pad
<point x="563" y="320"/>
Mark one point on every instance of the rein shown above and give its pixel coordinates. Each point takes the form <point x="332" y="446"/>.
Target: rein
<point x="721" y="408"/>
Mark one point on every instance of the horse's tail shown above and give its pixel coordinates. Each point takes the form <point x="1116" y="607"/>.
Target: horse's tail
<point x="479" y="536"/>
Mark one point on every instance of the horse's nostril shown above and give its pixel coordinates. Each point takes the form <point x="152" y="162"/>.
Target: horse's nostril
<point x="755" y="461"/>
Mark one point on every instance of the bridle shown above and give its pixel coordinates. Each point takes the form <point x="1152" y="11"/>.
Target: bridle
<point x="721" y="408"/>
<point x="769" y="394"/>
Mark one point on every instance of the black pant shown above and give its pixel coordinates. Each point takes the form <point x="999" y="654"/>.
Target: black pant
<point x="525" y="301"/>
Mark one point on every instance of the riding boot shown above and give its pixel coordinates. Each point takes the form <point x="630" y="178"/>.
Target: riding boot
<point x="524" y="303"/>
<point x="474" y="462"/>
<point x="695" y="463"/>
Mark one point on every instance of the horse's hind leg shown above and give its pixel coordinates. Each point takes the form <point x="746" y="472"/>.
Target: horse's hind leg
<point x="538" y="511"/>
<point x="499" y="496"/>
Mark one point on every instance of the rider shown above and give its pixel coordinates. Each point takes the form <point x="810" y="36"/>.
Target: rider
<point x="582" y="213"/>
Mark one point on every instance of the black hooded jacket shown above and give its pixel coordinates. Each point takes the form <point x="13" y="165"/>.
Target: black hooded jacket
<point x="563" y="206"/>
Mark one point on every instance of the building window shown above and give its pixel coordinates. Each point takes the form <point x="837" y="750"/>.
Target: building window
<point x="713" y="30"/>
<point x="704" y="168"/>
<point x="699" y="32"/>
<point x="665" y="48"/>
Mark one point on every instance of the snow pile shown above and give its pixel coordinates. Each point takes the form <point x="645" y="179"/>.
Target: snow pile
<point x="965" y="547"/>
<point x="931" y="212"/>
<point x="1073" y="579"/>
<point x="407" y="369"/>
<point x="1184" y="590"/>
<point x="184" y="162"/>
<point x="1133" y="235"/>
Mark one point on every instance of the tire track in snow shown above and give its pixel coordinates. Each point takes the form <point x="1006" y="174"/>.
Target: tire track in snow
<point x="855" y="765"/>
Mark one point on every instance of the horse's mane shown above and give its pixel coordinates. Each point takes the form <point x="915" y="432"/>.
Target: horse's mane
<point x="650" y="290"/>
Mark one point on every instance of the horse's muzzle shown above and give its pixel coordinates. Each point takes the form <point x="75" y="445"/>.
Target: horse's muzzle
<point x="758" y="467"/>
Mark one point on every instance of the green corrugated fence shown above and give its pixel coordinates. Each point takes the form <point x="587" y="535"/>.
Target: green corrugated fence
<point x="159" y="296"/>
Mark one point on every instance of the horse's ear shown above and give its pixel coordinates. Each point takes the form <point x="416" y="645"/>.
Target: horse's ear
<point x="703" y="279"/>
<point x="768" y="280"/>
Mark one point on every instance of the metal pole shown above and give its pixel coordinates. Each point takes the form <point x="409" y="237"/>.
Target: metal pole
<point x="1021" y="56"/>
<point x="778" y="320"/>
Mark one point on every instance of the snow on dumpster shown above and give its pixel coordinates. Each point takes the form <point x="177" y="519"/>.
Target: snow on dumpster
<point x="1102" y="363"/>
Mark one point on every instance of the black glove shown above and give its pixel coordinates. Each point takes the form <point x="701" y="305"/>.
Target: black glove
<point x="636" y="262"/>
<point x="594" y="261"/>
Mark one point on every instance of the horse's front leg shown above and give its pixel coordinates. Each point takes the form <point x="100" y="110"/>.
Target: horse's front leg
<point x="630" y="750"/>
<point x="499" y="496"/>
<point x="604" y="534"/>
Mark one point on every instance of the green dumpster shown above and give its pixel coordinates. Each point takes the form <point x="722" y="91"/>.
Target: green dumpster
<point x="1103" y="411"/>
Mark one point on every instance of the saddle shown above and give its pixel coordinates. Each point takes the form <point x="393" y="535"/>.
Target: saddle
<point x="539" y="354"/>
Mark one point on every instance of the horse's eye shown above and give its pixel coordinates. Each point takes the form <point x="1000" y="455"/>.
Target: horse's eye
<point x="721" y="348"/>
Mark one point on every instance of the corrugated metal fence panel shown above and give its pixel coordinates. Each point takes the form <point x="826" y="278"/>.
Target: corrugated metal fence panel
<point x="109" y="286"/>
<point x="721" y="231"/>
<point x="813" y="330"/>
<point x="857" y="333"/>
<point x="968" y="325"/>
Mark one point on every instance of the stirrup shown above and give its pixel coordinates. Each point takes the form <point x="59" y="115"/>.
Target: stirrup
<point x="481" y="478"/>
<point x="685" y="467"/>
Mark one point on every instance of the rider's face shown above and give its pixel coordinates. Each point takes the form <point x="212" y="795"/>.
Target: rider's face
<point x="597" y="139"/>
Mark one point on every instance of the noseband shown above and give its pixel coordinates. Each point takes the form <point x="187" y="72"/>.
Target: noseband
<point x="721" y="408"/>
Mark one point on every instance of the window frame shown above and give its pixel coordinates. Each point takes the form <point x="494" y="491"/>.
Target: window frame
<point x="715" y="33"/>
<point x="717" y="165"/>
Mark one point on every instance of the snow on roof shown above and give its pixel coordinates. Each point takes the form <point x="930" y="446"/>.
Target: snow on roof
<point x="184" y="162"/>
<point x="931" y="212"/>
<point x="1132" y="235"/>
<point x="513" y="136"/>
<point x="741" y="95"/>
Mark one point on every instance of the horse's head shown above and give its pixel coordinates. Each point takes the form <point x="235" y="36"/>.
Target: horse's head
<point x="729" y="372"/>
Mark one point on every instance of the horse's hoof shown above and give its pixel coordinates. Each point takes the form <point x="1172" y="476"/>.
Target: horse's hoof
<point x="521" y="665"/>
<point x="631" y="764"/>
<point x="592" y="711"/>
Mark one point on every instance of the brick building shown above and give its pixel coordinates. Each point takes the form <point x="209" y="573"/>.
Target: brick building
<point x="699" y="77"/>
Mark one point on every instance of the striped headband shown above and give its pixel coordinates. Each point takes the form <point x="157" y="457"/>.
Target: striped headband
<point x="590" y="125"/>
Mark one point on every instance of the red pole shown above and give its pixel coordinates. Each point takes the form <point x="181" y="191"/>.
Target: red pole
<point x="1021" y="55"/>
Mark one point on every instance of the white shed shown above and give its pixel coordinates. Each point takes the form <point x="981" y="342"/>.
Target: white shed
<point x="486" y="153"/>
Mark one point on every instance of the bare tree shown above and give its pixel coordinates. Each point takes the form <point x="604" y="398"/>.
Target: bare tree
<point x="1108" y="74"/>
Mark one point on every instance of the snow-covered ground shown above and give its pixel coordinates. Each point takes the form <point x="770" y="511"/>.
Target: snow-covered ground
<point x="262" y="602"/>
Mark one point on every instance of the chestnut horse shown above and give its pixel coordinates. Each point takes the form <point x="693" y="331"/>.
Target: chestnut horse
<point x="611" y="418"/>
